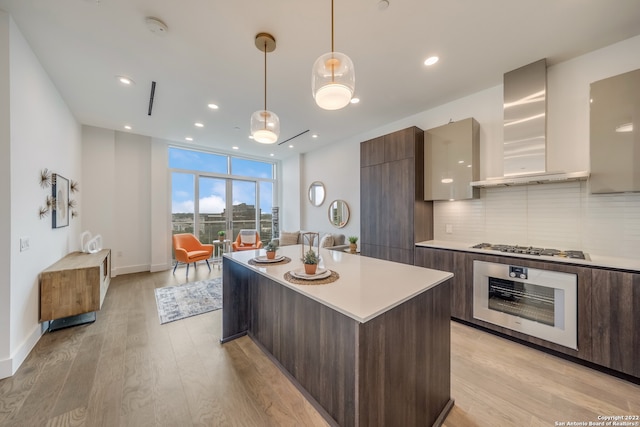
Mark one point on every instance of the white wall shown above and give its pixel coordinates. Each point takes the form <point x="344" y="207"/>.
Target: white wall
<point x="290" y="191"/>
<point x="42" y="134"/>
<point x="160" y="207"/>
<point x="118" y="180"/>
<point x="565" y="216"/>
<point x="344" y="181"/>
<point x="5" y="208"/>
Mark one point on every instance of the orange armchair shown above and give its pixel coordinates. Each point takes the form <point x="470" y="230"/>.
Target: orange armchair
<point x="247" y="240"/>
<point x="188" y="249"/>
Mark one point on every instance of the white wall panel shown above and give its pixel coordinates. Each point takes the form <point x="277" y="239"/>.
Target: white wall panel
<point x="43" y="134"/>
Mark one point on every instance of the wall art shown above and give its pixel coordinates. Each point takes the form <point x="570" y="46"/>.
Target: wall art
<point x="60" y="193"/>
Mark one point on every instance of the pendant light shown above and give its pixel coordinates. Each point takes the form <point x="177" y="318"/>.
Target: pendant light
<point x="333" y="78"/>
<point x="265" y="124"/>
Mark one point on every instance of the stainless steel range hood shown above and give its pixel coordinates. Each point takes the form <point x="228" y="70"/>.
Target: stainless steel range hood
<point x="534" y="178"/>
<point x="525" y="130"/>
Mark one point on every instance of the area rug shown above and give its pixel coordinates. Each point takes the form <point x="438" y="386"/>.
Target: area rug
<point x="181" y="301"/>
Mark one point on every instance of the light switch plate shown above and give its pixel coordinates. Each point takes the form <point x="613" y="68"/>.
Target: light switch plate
<point x="24" y="244"/>
<point x="448" y="228"/>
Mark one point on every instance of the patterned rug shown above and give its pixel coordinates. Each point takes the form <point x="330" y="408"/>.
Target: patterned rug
<point x="190" y="299"/>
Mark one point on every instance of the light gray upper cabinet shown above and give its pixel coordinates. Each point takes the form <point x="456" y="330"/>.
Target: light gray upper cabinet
<point x="614" y="134"/>
<point x="451" y="161"/>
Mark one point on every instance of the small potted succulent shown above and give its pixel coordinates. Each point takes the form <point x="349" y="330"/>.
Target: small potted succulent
<point x="352" y="243"/>
<point x="221" y="235"/>
<point x="310" y="262"/>
<point x="271" y="248"/>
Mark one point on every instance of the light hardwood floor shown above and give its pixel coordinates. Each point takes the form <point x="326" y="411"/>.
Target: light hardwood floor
<point x="128" y="370"/>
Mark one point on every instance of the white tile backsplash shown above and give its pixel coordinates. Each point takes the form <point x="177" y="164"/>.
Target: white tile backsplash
<point x="561" y="216"/>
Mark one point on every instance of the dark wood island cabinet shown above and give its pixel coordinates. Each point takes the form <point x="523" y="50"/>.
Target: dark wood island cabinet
<point x="364" y="352"/>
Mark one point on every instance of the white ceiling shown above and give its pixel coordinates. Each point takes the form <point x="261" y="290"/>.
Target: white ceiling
<point x="209" y="55"/>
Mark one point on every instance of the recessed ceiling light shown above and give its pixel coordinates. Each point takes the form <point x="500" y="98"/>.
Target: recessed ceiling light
<point x="272" y="154"/>
<point x="198" y="125"/>
<point x="125" y="80"/>
<point x="315" y="135"/>
<point x="355" y="100"/>
<point x="250" y="136"/>
<point x="188" y="138"/>
<point x="627" y="127"/>
<point x="291" y="146"/>
<point x="431" y="60"/>
<point x="213" y="106"/>
<point x="461" y="161"/>
<point x="127" y="127"/>
<point x="235" y="148"/>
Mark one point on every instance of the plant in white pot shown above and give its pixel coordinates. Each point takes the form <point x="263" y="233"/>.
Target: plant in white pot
<point x="271" y="248"/>
<point x="310" y="262"/>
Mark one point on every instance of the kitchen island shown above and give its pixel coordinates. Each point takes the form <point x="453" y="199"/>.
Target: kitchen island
<point x="371" y="348"/>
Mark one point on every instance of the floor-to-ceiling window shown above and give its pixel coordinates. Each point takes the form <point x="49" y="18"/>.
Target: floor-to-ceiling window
<point x="213" y="192"/>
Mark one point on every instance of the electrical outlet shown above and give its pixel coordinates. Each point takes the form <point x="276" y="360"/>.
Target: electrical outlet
<point x="448" y="228"/>
<point x="24" y="244"/>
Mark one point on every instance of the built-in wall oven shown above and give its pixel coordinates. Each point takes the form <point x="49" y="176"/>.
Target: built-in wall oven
<point x="535" y="302"/>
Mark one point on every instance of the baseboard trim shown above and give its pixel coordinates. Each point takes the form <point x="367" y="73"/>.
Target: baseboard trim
<point x="130" y="269"/>
<point x="5" y="368"/>
<point x="160" y="267"/>
<point x="9" y="367"/>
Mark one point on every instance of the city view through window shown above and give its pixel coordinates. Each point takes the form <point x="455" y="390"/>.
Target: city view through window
<point x="212" y="193"/>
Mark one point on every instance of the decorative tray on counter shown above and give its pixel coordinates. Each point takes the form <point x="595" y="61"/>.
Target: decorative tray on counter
<point x="321" y="273"/>
<point x="322" y="277"/>
<point x="264" y="260"/>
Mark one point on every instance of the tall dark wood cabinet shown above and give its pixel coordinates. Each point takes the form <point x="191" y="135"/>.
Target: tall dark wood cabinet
<point x="394" y="215"/>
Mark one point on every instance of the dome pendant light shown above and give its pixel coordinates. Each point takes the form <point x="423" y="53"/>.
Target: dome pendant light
<point x="265" y="125"/>
<point x="333" y="80"/>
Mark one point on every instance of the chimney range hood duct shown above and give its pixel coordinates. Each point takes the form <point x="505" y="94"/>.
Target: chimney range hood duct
<point x="525" y="119"/>
<point x="525" y="130"/>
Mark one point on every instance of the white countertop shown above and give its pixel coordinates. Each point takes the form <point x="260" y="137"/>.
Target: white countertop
<point x="367" y="287"/>
<point x="594" y="261"/>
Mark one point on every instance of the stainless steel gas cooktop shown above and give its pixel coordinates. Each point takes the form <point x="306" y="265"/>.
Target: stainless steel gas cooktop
<point x="530" y="250"/>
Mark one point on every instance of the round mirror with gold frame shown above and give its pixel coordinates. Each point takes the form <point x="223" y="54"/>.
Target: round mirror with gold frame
<point x="316" y="193"/>
<point x="338" y="213"/>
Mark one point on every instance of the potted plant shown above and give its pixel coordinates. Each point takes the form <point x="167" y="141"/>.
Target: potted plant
<point x="271" y="249"/>
<point x="310" y="262"/>
<point x="352" y="243"/>
<point x="221" y="235"/>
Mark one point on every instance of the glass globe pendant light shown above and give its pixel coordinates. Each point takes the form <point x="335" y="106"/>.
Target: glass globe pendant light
<point x="333" y="78"/>
<point x="265" y="124"/>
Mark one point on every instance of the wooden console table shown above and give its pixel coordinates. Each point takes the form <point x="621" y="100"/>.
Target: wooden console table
<point x="73" y="286"/>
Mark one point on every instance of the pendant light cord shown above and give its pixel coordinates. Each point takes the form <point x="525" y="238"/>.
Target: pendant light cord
<point x="333" y="65"/>
<point x="332" y="50"/>
<point x="265" y="84"/>
<point x="265" y="75"/>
